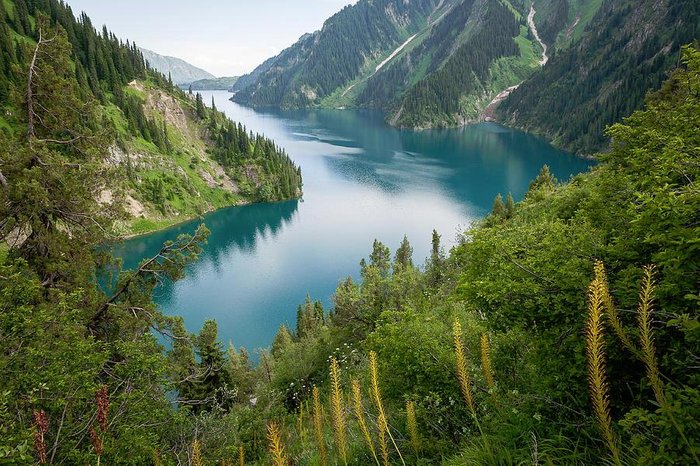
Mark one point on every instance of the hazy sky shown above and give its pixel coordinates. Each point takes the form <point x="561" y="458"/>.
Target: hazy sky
<point x="225" y="37"/>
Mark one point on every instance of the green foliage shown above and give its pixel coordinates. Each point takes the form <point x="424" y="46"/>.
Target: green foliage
<point x="119" y="99"/>
<point x="265" y="171"/>
<point x="521" y="277"/>
<point x="661" y="424"/>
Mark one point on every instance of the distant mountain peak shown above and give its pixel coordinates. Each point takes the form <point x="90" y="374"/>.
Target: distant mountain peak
<point x="181" y="71"/>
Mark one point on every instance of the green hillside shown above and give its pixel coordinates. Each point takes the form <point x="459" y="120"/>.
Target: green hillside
<point x="168" y="157"/>
<point x="214" y="84"/>
<point x="450" y="60"/>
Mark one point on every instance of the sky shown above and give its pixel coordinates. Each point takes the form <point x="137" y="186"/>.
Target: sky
<point x="224" y="37"/>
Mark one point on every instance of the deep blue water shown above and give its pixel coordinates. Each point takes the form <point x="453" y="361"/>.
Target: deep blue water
<point x="362" y="180"/>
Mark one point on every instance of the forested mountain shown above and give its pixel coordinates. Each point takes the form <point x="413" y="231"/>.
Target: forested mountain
<point x="440" y="66"/>
<point x="351" y="42"/>
<point x="452" y="62"/>
<point x="478" y="49"/>
<point x="213" y="84"/>
<point x="179" y="70"/>
<point x="165" y="156"/>
<point x="627" y="50"/>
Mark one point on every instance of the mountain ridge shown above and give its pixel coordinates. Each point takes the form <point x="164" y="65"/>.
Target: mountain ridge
<point x="179" y="70"/>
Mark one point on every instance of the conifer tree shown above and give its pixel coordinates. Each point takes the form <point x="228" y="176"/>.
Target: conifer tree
<point x="544" y="178"/>
<point x="498" y="210"/>
<point x="201" y="113"/>
<point x="59" y="154"/>
<point x="282" y="340"/>
<point x="380" y="257"/>
<point x="403" y="258"/>
<point x="510" y="206"/>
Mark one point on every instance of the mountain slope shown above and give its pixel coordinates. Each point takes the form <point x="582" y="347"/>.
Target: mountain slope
<point x="425" y="63"/>
<point x="165" y="155"/>
<point x="354" y="40"/>
<point x="627" y="49"/>
<point x="180" y="71"/>
<point x="492" y="51"/>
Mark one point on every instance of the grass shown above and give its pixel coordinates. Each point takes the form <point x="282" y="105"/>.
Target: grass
<point x="529" y="52"/>
<point x="116" y="117"/>
<point x="412" y="426"/>
<point x="4" y="124"/>
<point x="586" y="10"/>
<point x="142" y="226"/>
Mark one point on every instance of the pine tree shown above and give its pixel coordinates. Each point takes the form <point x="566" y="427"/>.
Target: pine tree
<point x="544" y="178"/>
<point x="380" y="257"/>
<point x="282" y="340"/>
<point x="403" y="258"/>
<point x="498" y="210"/>
<point x="201" y="112"/>
<point x="510" y="206"/>
<point x="210" y="389"/>
<point x="21" y="20"/>
<point x="59" y="152"/>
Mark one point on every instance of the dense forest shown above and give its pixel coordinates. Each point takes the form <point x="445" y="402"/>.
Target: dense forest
<point x="456" y="56"/>
<point x="321" y="62"/>
<point x="437" y="99"/>
<point x="629" y="48"/>
<point x="165" y="155"/>
<point x="560" y="330"/>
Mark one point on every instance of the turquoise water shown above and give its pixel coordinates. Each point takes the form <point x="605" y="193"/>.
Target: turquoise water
<point x="362" y="180"/>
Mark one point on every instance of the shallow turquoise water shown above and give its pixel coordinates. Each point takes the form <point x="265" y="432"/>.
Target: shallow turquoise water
<point x="362" y="180"/>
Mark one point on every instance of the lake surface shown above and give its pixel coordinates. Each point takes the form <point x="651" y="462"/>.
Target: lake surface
<point x="362" y="180"/>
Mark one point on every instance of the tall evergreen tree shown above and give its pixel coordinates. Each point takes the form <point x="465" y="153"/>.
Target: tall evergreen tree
<point x="58" y="154"/>
<point x="403" y="258"/>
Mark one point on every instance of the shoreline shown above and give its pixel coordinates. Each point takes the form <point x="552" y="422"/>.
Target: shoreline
<point x="167" y="226"/>
<point x="462" y="124"/>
